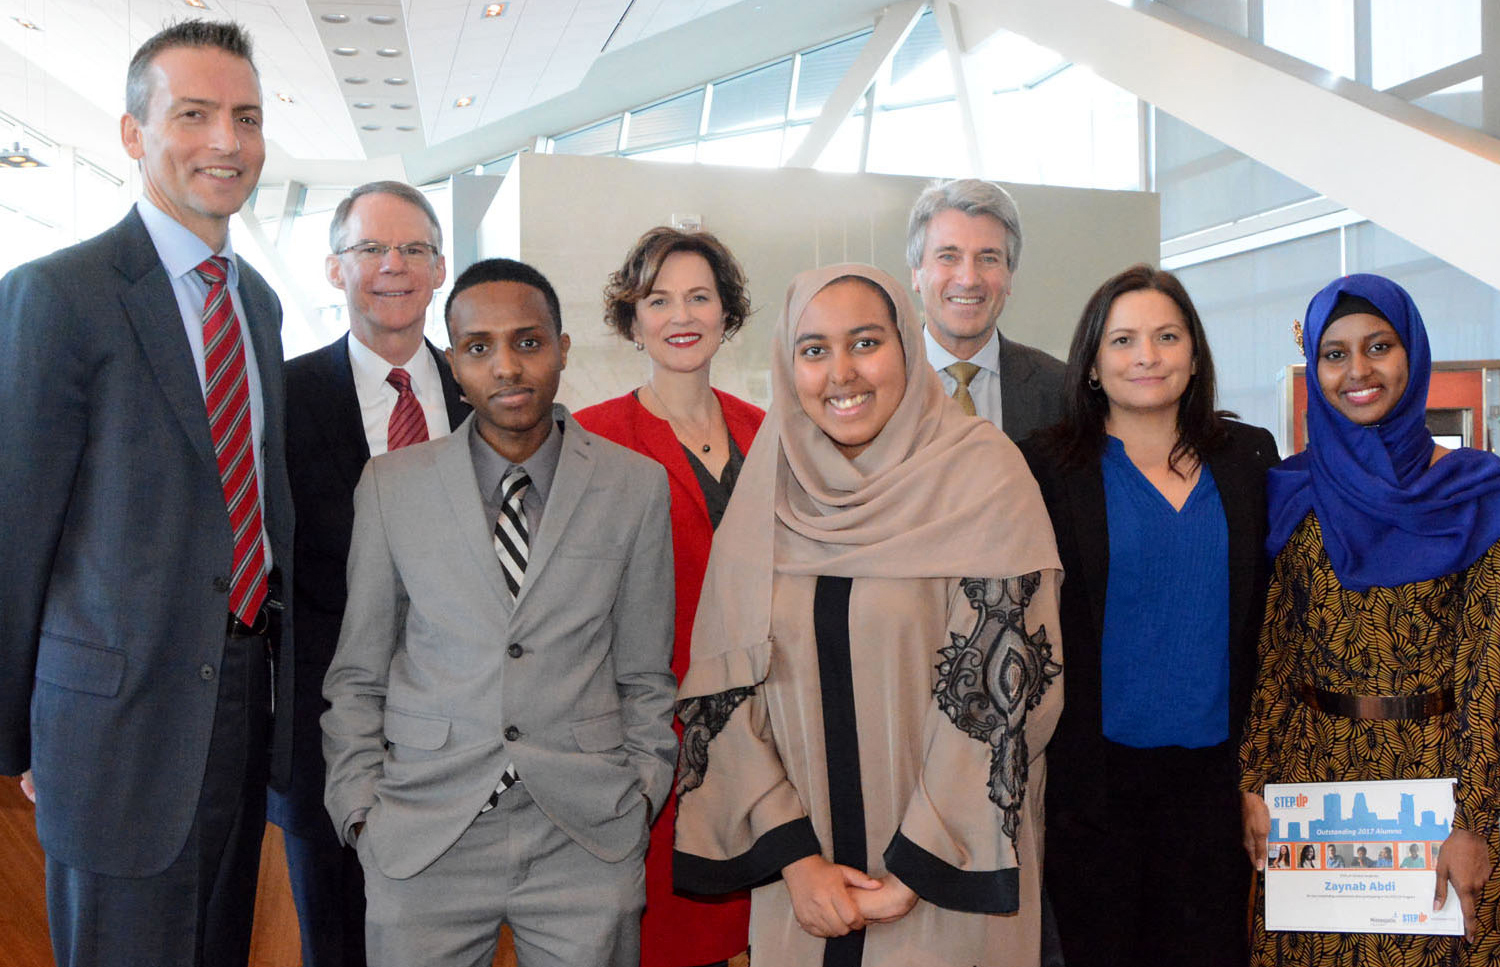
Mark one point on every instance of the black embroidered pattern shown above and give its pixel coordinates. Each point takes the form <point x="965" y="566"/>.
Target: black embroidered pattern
<point x="989" y="680"/>
<point x="702" y="719"/>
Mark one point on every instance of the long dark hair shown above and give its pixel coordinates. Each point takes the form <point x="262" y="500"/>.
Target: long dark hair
<point x="1079" y="438"/>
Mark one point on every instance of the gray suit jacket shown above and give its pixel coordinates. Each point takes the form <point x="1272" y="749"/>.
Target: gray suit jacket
<point x="437" y="684"/>
<point x="1031" y="389"/>
<point x="114" y="575"/>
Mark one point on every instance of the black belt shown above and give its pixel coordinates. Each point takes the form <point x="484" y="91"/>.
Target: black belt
<point x="1420" y="705"/>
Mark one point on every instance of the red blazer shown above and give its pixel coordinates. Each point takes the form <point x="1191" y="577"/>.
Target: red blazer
<point x="676" y="930"/>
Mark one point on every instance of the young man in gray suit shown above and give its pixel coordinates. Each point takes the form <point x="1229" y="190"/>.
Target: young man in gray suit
<point x="378" y="388"/>
<point x="963" y="243"/>
<point x="145" y="504"/>
<point x="500" y="732"/>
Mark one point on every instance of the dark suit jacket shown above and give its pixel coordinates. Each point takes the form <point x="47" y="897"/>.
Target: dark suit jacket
<point x="114" y="576"/>
<point x="1075" y="501"/>
<point x="1031" y="389"/>
<point x="326" y="451"/>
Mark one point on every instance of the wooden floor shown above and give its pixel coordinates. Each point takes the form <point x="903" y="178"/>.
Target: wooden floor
<point x="23" y="912"/>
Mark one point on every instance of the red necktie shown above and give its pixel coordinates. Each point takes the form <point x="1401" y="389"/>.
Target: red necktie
<point x="228" y="398"/>
<point x="408" y="424"/>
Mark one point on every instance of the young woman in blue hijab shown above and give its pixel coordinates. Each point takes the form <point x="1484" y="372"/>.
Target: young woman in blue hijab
<point x="1380" y="654"/>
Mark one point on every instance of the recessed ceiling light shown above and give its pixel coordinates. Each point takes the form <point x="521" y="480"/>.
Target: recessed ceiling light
<point x="335" y="18"/>
<point x="28" y="24"/>
<point x="400" y="106"/>
<point x="495" y="9"/>
<point x="199" y="4"/>
<point x="464" y="101"/>
<point x="356" y="79"/>
<point x="395" y="81"/>
<point x="369" y="127"/>
<point x="346" y="51"/>
<point x="363" y="105"/>
<point x="285" y="97"/>
<point x="405" y="127"/>
<point x="381" y="19"/>
<point x="388" y="52"/>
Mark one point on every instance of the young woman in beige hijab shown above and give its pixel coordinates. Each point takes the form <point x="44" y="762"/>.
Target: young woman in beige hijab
<point x="875" y="664"/>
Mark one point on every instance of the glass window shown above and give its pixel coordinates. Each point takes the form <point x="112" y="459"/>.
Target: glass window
<point x="1074" y="129"/>
<point x="1232" y="15"/>
<point x="500" y="166"/>
<point x="1461" y="312"/>
<point x="679" y="153"/>
<point x="919" y="69"/>
<point x="842" y="152"/>
<point x="672" y="121"/>
<point x="760" y="149"/>
<point x="922" y="140"/>
<point x="1204" y="182"/>
<point x="1010" y="62"/>
<point x="1248" y="303"/>
<point x="1410" y="39"/>
<point x="601" y="138"/>
<point x="1320" y="32"/>
<point x="820" y="71"/>
<point x="751" y="100"/>
<point x="1463" y="103"/>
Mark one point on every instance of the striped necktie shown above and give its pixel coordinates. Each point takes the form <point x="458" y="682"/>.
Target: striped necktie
<point x="963" y="373"/>
<point x="227" y="394"/>
<point x="408" y="424"/>
<point x="511" y="539"/>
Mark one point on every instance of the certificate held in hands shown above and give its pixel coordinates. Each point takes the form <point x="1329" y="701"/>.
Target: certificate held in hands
<point x="1358" y="857"/>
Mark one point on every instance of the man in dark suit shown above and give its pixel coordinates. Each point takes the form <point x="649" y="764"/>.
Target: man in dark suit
<point x="500" y="734"/>
<point x="146" y="503"/>
<point x="344" y="406"/>
<point x="963" y="243"/>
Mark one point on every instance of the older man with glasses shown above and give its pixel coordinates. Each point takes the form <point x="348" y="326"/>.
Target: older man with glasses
<point x="378" y="388"/>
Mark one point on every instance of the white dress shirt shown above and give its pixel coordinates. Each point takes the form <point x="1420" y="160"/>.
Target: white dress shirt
<point x="984" y="388"/>
<point x="377" y="397"/>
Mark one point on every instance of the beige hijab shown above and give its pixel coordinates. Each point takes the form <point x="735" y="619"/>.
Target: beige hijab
<point x="936" y="494"/>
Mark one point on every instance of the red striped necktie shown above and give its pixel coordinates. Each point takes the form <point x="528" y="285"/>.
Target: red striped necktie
<point x="408" y="424"/>
<point x="228" y="399"/>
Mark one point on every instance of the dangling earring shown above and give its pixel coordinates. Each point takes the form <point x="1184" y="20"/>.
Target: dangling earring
<point x="639" y="346"/>
<point x="1094" y="382"/>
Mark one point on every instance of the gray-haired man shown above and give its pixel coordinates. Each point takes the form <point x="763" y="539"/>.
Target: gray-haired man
<point x="963" y="243"/>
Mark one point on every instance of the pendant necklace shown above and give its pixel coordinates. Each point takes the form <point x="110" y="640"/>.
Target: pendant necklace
<point x="672" y="418"/>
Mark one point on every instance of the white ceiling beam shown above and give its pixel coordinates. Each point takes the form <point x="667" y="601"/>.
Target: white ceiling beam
<point x="958" y="63"/>
<point x="894" y="24"/>
<point x="1429" y="180"/>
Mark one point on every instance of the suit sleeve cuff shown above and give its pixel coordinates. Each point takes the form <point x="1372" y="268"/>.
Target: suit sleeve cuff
<point x="761" y="864"/>
<point x="968" y="891"/>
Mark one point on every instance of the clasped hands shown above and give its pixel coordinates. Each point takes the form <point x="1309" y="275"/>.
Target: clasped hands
<point x="830" y="900"/>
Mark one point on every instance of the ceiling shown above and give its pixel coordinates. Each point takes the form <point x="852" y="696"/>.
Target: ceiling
<point x="350" y="82"/>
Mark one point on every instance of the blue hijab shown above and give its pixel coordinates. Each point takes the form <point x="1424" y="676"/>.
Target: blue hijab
<point x="1387" y="518"/>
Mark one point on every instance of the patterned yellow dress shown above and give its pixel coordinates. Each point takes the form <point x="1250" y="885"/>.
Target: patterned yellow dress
<point x="1429" y="635"/>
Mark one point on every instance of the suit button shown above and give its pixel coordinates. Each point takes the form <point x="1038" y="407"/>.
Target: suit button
<point x="514" y="651"/>
<point x="512" y="734"/>
<point x="221" y="585"/>
<point x="206" y="672"/>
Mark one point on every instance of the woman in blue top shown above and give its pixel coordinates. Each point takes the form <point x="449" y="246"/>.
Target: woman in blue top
<point x="1158" y="502"/>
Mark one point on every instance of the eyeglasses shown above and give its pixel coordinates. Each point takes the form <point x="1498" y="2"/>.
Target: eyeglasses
<point x="375" y="252"/>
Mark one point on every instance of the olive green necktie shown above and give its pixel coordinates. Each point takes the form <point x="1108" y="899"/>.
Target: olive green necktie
<point x="963" y="373"/>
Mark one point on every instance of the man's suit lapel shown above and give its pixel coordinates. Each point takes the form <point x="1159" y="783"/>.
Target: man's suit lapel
<point x="341" y="425"/>
<point x="575" y="465"/>
<point x="152" y="310"/>
<point x="453" y="397"/>
<point x="455" y="468"/>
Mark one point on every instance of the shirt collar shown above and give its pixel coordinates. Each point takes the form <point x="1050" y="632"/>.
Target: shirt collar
<point x="490" y="467"/>
<point x="370" y="368"/>
<point x="988" y="356"/>
<point x="178" y="248"/>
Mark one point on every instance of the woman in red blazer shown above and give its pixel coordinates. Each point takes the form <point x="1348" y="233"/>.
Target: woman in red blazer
<point x="678" y="297"/>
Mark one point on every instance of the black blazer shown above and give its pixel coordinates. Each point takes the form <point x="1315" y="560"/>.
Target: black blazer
<point x="326" y="451"/>
<point x="1075" y="501"/>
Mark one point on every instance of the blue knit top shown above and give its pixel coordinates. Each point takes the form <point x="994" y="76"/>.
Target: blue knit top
<point x="1164" y="656"/>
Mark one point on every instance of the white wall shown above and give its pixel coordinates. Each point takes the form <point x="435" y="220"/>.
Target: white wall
<point x="577" y="216"/>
